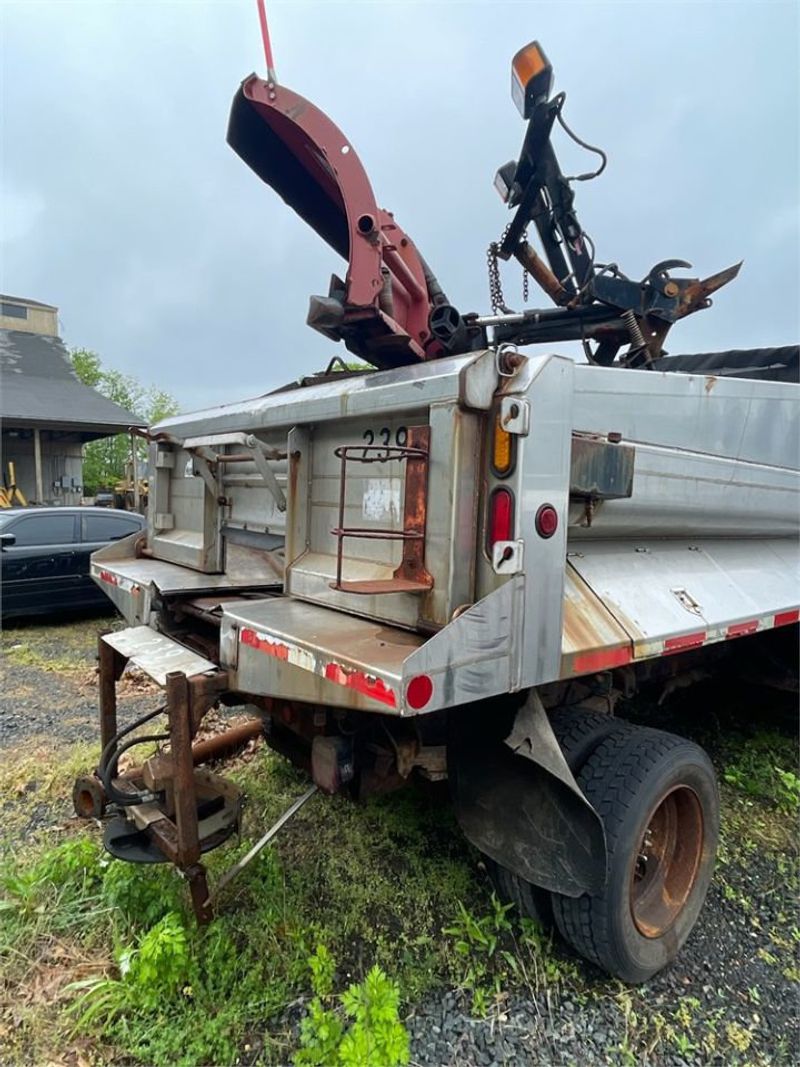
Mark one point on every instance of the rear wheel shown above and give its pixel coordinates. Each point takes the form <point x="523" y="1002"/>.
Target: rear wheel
<point x="657" y="796"/>
<point x="578" y="733"/>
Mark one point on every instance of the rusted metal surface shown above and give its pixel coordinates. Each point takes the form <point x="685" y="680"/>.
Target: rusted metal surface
<point x="600" y="469"/>
<point x="411" y="576"/>
<point x="592" y="640"/>
<point x="111" y="664"/>
<point x="180" y="733"/>
<point x="412" y="567"/>
<point x="668" y="862"/>
<point x="541" y="273"/>
<point x="695" y="295"/>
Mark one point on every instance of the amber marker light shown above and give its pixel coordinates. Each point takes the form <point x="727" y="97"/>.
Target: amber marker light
<point x="531" y="78"/>
<point x="502" y="449"/>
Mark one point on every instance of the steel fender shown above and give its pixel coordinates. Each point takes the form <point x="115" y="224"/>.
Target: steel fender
<point x="516" y="800"/>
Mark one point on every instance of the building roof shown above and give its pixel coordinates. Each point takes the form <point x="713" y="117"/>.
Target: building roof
<point x="39" y="388"/>
<point x="6" y="299"/>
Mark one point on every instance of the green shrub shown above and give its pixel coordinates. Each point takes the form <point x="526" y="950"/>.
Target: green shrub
<point x="375" y="1035"/>
<point x="160" y="965"/>
<point x="141" y="894"/>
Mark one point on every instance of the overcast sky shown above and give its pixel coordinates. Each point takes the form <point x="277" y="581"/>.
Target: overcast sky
<point x="123" y="205"/>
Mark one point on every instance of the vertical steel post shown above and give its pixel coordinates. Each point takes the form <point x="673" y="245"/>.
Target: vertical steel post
<point x="179" y="712"/>
<point x="107" y="686"/>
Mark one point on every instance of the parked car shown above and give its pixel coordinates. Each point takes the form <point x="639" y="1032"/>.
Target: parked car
<point x="44" y="556"/>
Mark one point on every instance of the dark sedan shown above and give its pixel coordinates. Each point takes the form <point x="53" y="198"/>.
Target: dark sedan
<point x="44" y="557"/>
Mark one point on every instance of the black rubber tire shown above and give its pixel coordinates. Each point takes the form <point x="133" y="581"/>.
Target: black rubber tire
<point x="625" y="779"/>
<point x="531" y="901"/>
<point x="578" y="733"/>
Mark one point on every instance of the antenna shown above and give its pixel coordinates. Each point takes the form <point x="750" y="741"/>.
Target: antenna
<point x="262" y="18"/>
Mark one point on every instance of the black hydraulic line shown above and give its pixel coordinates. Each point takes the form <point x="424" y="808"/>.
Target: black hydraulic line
<point x="127" y="800"/>
<point x="123" y="733"/>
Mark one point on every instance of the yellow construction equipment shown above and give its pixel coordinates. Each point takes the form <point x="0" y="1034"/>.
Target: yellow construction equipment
<point x="10" y="493"/>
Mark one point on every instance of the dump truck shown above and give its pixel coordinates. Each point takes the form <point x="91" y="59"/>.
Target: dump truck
<point x="454" y="561"/>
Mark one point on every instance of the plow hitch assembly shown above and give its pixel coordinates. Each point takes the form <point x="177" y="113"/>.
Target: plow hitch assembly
<point x="170" y="808"/>
<point x="390" y="309"/>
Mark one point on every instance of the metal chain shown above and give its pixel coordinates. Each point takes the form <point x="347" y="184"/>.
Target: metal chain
<point x="495" y="285"/>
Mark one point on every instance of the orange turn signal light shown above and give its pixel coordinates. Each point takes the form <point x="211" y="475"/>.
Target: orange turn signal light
<point x="531" y="78"/>
<point x="502" y="449"/>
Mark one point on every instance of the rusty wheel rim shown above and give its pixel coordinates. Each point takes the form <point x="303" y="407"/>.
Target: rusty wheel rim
<point x="667" y="861"/>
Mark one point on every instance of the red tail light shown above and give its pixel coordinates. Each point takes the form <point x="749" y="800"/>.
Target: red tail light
<point x="501" y="517"/>
<point x="546" y="520"/>
<point x="419" y="691"/>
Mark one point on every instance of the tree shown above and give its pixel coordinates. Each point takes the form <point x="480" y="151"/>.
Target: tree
<point x="104" y="461"/>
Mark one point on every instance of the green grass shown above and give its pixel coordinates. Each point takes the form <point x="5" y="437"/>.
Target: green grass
<point x="64" y="646"/>
<point x="101" y="961"/>
<point x="765" y="766"/>
<point x="127" y="970"/>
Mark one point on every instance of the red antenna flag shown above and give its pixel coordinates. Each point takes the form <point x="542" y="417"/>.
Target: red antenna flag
<point x="262" y="18"/>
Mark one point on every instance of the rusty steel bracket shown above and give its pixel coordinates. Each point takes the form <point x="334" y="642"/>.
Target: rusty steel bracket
<point x="411" y="576"/>
<point x="111" y="664"/>
<point x="188" y="700"/>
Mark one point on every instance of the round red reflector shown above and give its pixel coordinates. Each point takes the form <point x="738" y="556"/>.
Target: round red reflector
<point x="419" y="692"/>
<point x="546" y="520"/>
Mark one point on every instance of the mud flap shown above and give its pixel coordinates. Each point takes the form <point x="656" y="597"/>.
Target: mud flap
<point x="516" y="800"/>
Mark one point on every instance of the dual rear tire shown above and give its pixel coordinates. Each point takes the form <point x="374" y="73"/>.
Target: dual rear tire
<point x="657" y="796"/>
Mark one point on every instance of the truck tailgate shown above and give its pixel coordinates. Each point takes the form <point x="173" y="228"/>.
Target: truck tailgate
<point x="281" y="647"/>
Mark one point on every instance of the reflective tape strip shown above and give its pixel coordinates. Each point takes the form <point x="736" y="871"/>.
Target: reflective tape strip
<point x="741" y="629"/>
<point x="117" y="580"/>
<point x="605" y="659"/>
<point x="602" y="660"/>
<point x="680" y="644"/>
<point x="368" y="685"/>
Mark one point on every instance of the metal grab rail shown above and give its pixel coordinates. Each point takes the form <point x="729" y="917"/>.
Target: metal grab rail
<point x="411" y="576"/>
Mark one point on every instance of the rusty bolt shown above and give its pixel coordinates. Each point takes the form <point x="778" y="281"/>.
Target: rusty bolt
<point x="671" y="289"/>
<point x="614" y="437"/>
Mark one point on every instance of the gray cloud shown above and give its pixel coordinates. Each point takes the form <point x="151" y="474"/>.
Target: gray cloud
<point x="123" y="205"/>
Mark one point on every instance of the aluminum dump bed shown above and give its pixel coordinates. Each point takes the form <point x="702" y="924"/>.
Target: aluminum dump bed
<point x="675" y="497"/>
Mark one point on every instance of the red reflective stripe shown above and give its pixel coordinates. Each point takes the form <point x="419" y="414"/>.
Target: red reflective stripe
<point x="739" y="629"/>
<point x="107" y="576"/>
<point x="370" y="686"/>
<point x="783" y="618"/>
<point x="678" y="644"/>
<point x="272" y="648"/>
<point x="602" y="660"/>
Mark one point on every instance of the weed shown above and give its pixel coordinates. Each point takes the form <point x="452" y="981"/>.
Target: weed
<point x="322" y="971"/>
<point x="141" y="895"/>
<point x="739" y="1037"/>
<point x="160" y="964"/>
<point x="756" y="769"/>
<point x="375" y="1035"/>
<point x="476" y="942"/>
<point x="683" y="1043"/>
<point x="320" y="1036"/>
